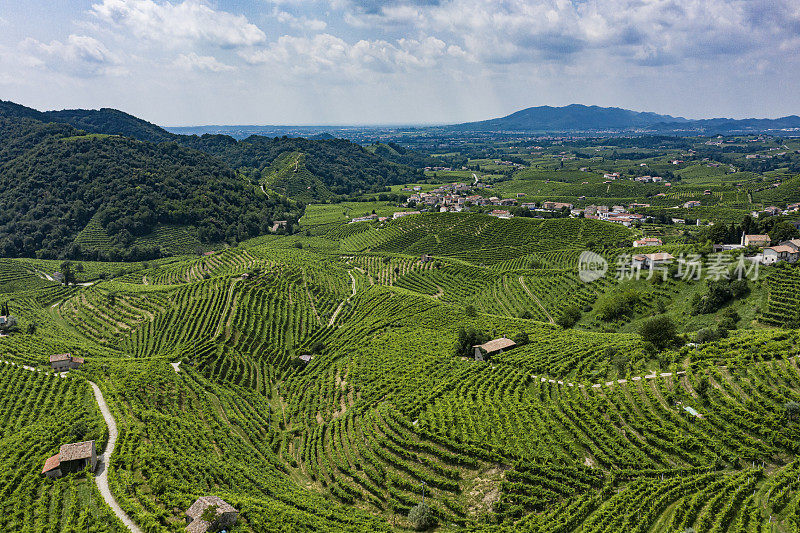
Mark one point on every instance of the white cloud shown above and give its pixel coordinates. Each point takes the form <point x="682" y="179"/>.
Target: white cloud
<point x="648" y="32"/>
<point x="190" y="21"/>
<point x="326" y="53"/>
<point x="299" y="22"/>
<point x="192" y="61"/>
<point x="80" y="55"/>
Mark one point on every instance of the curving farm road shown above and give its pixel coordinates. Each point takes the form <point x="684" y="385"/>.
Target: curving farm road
<point x="102" y="462"/>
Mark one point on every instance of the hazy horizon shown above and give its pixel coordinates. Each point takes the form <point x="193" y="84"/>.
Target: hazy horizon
<point x="412" y="62"/>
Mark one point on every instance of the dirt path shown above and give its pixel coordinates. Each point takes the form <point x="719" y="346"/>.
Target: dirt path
<point x="45" y="275"/>
<point x="101" y="477"/>
<point x="535" y="299"/>
<point x="610" y="383"/>
<point x="339" y="308"/>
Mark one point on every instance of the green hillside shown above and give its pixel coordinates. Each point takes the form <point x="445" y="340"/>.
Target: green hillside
<point x="289" y="176"/>
<point x="543" y="437"/>
<point x="322" y="375"/>
<point x="55" y="180"/>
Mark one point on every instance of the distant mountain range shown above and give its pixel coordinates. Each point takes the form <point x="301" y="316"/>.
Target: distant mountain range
<point x="575" y="118"/>
<point x="581" y="118"/>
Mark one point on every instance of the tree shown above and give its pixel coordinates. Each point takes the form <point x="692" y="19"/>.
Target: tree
<point x="612" y="305"/>
<point x="469" y="310"/>
<point x="521" y="338"/>
<point x="31" y="329"/>
<point x="570" y="317"/>
<point x="702" y="386"/>
<point x="421" y="517"/>
<point x="660" y="331"/>
<point x="706" y="335"/>
<point x="466" y="339"/>
<point x="783" y="231"/>
<point x="66" y="271"/>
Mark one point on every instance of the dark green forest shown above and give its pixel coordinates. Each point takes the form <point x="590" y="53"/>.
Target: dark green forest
<point x="132" y="176"/>
<point x="345" y="168"/>
<point x="54" y="180"/>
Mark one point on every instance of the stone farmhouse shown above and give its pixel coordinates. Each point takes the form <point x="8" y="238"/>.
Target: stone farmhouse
<point x="492" y="347"/>
<point x="71" y="458"/>
<point x="655" y="260"/>
<point x="755" y="240"/>
<point x="210" y="513"/>
<point x="64" y="362"/>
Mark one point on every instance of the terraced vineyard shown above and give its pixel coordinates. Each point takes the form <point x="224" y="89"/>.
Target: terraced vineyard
<point x="199" y="357"/>
<point x="34" y="424"/>
<point x="783" y="304"/>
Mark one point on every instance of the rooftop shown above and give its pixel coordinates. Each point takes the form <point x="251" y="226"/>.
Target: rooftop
<point x="202" y="503"/>
<point x="783" y="248"/>
<point x="76" y="451"/>
<point x="51" y="464"/>
<point x="60" y="357"/>
<point x="496" y="344"/>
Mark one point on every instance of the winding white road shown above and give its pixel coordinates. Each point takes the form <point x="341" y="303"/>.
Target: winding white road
<point x="102" y="462"/>
<point x="101" y="476"/>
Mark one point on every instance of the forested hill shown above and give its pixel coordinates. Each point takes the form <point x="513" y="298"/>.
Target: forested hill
<point x="112" y="122"/>
<point x="55" y="180"/>
<point x="573" y="117"/>
<point x="342" y="167"/>
<point x="582" y="118"/>
<point x="105" y="121"/>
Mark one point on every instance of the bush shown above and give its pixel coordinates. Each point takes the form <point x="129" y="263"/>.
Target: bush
<point x="729" y="319"/>
<point x="718" y="293"/>
<point x="569" y="317"/>
<point x="660" y="331"/>
<point x="421" y="517"/>
<point x="467" y="338"/>
<point x="614" y="305"/>
<point x="706" y="335"/>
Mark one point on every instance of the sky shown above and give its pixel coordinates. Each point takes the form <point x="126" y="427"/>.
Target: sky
<point x="289" y="62"/>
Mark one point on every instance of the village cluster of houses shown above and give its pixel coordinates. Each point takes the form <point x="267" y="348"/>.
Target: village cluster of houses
<point x="788" y="251"/>
<point x="618" y="214"/>
<point x="772" y="210"/>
